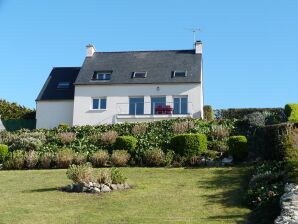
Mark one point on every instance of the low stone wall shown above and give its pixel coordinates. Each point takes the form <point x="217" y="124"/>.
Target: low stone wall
<point x="289" y="205"/>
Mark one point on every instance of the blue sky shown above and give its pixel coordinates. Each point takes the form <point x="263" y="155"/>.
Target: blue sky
<point x="250" y="46"/>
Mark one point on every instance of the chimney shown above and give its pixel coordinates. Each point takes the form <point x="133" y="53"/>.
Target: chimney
<point x="198" y="47"/>
<point x="90" y="50"/>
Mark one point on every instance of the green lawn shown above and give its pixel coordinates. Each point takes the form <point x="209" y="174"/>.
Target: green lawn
<point x="160" y="195"/>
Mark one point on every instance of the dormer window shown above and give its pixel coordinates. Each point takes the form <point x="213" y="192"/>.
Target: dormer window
<point x="179" y="74"/>
<point x="102" y="76"/>
<point x="63" y="85"/>
<point x="139" y="75"/>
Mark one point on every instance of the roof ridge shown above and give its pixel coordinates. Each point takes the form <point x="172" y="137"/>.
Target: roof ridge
<point x="143" y="51"/>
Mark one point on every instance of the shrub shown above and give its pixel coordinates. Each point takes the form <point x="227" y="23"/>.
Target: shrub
<point x="189" y="144"/>
<point x="218" y="146"/>
<point x="104" y="177"/>
<point x="66" y="137"/>
<point x="291" y="111"/>
<point x="63" y="126"/>
<point x="80" y="173"/>
<point x="219" y="132"/>
<point x="117" y="176"/>
<point x="64" y="157"/>
<point x="139" y="129"/>
<point x="31" y="159"/>
<point x="100" y="158"/>
<point x="45" y="160"/>
<point x="120" y="157"/>
<point x="15" y="160"/>
<point x="80" y="158"/>
<point x="182" y="127"/>
<point x="208" y="113"/>
<point x="109" y="137"/>
<point x="3" y="152"/>
<point x="127" y="143"/>
<point x="238" y="147"/>
<point x="154" y="157"/>
<point x="169" y="156"/>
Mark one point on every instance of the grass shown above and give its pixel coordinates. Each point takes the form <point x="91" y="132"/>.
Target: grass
<point x="160" y="195"/>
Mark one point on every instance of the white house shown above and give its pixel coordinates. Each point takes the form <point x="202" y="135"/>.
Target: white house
<point x="115" y="87"/>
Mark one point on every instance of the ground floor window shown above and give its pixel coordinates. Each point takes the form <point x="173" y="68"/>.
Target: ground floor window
<point x="99" y="103"/>
<point x="157" y="102"/>
<point x="180" y="105"/>
<point x="136" y="105"/>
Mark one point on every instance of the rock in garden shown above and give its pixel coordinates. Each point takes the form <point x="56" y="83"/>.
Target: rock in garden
<point x="120" y="186"/>
<point x="95" y="190"/>
<point x="105" y="188"/>
<point x="114" y="187"/>
<point x="227" y="160"/>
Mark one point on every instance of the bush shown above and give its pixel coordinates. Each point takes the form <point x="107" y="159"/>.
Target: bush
<point x="139" y="129"/>
<point x="15" y="160"/>
<point x="80" y="158"/>
<point x="66" y="137"/>
<point x="154" y="157"/>
<point x="238" y="147"/>
<point x="80" y="173"/>
<point x="208" y="113"/>
<point x="109" y="137"/>
<point x="3" y="152"/>
<point x="182" y="127"/>
<point x="189" y="144"/>
<point x="127" y="143"/>
<point x="104" y="177"/>
<point x="31" y="159"/>
<point x="291" y="111"/>
<point x="219" y="132"/>
<point x="45" y="160"/>
<point x="64" y="157"/>
<point x="120" y="157"/>
<point x="117" y="176"/>
<point x="100" y="158"/>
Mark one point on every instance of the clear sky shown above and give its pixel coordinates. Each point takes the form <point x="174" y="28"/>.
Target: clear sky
<point x="250" y="46"/>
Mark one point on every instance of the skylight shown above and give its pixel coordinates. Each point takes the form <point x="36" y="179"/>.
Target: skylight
<point x="102" y="76"/>
<point x="139" y="75"/>
<point x="63" y="85"/>
<point x="180" y="74"/>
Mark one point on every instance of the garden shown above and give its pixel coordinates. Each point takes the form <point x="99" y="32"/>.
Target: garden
<point x="235" y="162"/>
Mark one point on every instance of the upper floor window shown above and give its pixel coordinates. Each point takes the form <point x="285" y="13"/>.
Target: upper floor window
<point x="99" y="103"/>
<point x="102" y="76"/>
<point x="180" y="74"/>
<point x="139" y="75"/>
<point x="63" y="85"/>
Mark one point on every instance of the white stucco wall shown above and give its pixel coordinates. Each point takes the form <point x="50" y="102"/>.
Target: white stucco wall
<point x="118" y="99"/>
<point x="50" y="114"/>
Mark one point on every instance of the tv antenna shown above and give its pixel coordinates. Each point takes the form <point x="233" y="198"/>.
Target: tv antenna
<point x="194" y="32"/>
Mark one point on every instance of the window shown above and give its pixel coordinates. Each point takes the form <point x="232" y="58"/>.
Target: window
<point x="63" y="85"/>
<point x="136" y="105"/>
<point x="99" y="103"/>
<point x="180" y="105"/>
<point x="180" y="74"/>
<point x="157" y="102"/>
<point x="139" y="75"/>
<point x="102" y="76"/>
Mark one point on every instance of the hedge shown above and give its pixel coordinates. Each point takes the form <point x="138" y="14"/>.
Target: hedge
<point x="3" y="152"/>
<point x="238" y="147"/>
<point x="240" y="113"/>
<point x="208" y="113"/>
<point x="291" y="111"/>
<point x="189" y="144"/>
<point x="15" y="111"/>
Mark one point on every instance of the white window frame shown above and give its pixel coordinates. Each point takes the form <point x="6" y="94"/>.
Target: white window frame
<point x="177" y="71"/>
<point x="134" y="75"/>
<point x="180" y="97"/>
<point x="99" y="103"/>
<point x="104" y="75"/>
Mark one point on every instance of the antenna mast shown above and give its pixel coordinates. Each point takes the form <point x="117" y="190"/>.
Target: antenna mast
<point x="194" y="32"/>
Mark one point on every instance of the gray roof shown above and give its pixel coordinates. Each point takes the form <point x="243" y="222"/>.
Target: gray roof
<point x="159" y="66"/>
<point x="61" y="74"/>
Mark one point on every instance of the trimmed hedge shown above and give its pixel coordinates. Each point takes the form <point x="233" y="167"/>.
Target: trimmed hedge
<point x="189" y="144"/>
<point x="238" y="147"/>
<point x="127" y="143"/>
<point x="291" y="111"/>
<point x="14" y="111"/>
<point x="3" y="152"/>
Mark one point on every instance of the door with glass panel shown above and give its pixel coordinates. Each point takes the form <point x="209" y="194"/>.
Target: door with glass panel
<point x="157" y="104"/>
<point x="180" y="105"/>
<point x="136" y="105"/>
